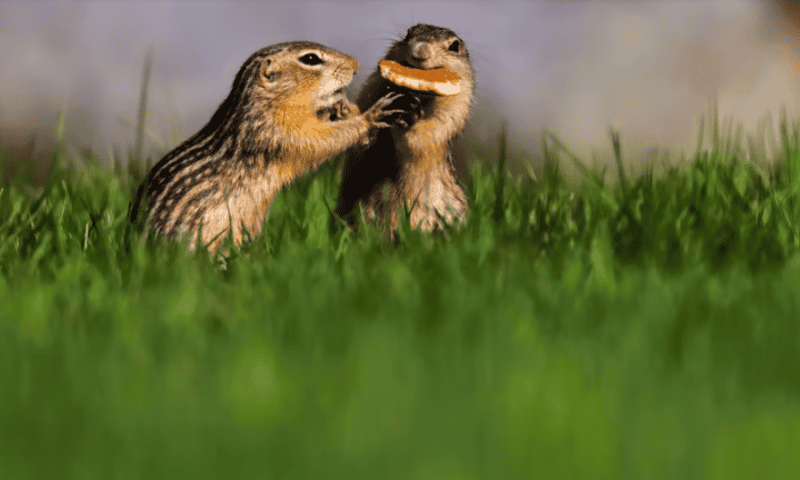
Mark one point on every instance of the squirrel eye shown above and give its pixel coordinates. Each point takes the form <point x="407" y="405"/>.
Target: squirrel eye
<point x="455" y="46"/>
<point x="311" y="59"/>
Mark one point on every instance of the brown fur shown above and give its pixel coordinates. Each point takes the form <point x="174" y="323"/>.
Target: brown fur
<point x="412" y="168"/>
<point x="282" y="118"/>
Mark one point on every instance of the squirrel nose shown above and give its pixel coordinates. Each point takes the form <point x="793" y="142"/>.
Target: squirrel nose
<point x="420" y="50"/>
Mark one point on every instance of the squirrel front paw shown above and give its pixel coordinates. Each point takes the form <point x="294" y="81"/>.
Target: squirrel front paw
<point x="341" y="110"/>
<point x="378" y="113"/>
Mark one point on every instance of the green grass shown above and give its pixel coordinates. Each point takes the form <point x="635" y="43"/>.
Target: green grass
<point x="645" y="329"/>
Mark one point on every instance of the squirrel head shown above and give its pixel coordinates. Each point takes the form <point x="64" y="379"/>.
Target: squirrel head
<point x="295" y="74"/>
<point x="427" y="47"/>
<point x="281" y="86"/>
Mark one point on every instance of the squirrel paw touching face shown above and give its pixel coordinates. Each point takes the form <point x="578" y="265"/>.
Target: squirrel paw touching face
<point x="341" y="110"/>
<point x="402" y="116"/>
<point x="413" y="105"/>
<point x="380" y="115"/>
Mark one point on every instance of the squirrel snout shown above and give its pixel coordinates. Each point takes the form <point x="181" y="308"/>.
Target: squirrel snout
<point x="353" y="64"/>
<point x="421" y="50"/>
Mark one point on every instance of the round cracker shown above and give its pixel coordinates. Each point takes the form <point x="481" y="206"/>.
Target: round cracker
<point x="437" y="80"/>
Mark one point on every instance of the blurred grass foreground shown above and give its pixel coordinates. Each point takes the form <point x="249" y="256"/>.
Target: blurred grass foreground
<point x="648" y="328"/>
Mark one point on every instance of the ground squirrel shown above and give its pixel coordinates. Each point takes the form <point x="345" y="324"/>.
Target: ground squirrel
<point x="285" y="114"/>
<point x="413" y="167"/>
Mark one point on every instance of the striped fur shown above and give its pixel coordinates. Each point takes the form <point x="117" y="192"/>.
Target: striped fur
<point x="264" y="134"/>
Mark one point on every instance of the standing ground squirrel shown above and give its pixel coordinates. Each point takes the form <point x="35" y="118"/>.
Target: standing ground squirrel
<point x="285" y="114"/>
<point x="413" y="167"/>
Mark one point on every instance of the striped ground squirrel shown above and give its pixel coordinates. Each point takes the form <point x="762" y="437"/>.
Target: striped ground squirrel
<point x="286" y="113"/>
<point x="412" y="167"/>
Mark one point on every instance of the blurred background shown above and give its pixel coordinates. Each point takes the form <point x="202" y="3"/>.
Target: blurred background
<point x="575" y="68"/>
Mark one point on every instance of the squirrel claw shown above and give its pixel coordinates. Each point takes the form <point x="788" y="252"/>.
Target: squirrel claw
<point x="376" y="113"/>
<point x="386" y="113"/>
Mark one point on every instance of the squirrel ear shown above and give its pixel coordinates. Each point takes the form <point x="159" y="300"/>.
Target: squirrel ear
<point x="269" y="71"/>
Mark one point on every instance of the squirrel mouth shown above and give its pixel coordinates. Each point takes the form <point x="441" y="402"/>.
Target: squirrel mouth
<point x="439" y="81"/>
<point x="416" y="65"/>
<point x="331" y="98"/>
<point x="334" y="106"/>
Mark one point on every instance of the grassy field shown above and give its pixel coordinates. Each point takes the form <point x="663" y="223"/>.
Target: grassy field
<point x="648" y="328"/>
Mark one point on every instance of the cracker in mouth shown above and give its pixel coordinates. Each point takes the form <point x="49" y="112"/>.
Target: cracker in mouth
<point x="437" y="80"/>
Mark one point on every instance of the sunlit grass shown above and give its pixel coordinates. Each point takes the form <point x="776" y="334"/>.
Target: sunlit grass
<point x="645" y="329"/>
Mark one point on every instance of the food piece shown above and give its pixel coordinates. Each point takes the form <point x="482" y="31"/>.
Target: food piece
<point x="438" y="80"/>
